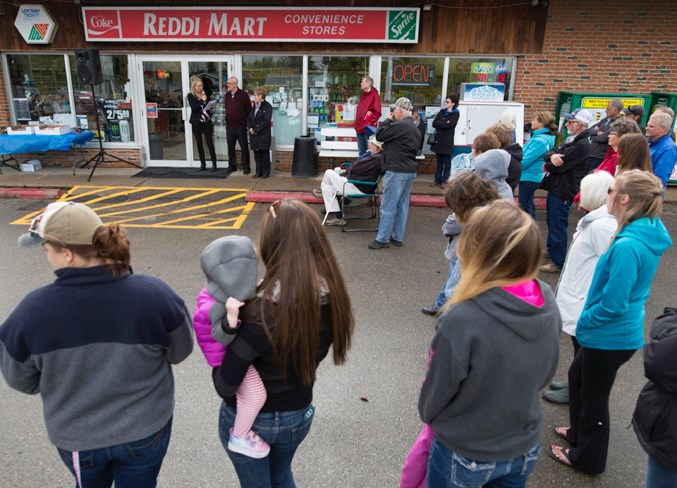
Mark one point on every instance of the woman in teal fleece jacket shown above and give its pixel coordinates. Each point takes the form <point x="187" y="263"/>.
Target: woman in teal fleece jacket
<point x="611" y="326"/>
<point x="542" y="141"/>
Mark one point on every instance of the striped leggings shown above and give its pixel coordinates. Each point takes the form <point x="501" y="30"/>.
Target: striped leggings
<point x="251" y="395"/>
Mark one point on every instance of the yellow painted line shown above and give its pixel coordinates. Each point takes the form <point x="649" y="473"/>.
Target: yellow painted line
<point x="181" y="210"/>
<point x="159" y="205"/>
<point x="81" y="192"/>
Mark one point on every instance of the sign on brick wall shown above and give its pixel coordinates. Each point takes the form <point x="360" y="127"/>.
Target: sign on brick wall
<point x="237" y="24"/>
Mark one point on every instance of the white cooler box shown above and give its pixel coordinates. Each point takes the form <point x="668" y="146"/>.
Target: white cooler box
<point x="53" y="130"/>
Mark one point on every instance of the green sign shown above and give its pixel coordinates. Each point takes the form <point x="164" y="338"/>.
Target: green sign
<point x="402" y="25"/>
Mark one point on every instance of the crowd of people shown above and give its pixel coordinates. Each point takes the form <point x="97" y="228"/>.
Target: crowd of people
<point x="108" y="391"/>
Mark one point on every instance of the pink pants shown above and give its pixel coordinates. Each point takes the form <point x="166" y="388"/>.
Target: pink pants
<point x="416" y="464"/>
<point x="251" y="395"/>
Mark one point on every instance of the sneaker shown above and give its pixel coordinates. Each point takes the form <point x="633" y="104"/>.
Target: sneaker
<point x="395" y="242"/>
<point x="558" y="385"/>
<point x="378" y="245"/>
<point x="432" y="311"/>
<point x="251" y="445"/>
<point x="335" y="222"/>
<point x="560" y="397"/>
<point x="549" y="268"/>
<point x="317" y="194"/>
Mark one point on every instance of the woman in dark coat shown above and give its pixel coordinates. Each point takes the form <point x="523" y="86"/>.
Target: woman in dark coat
<point x="201" y="120"/>
<point x="655" y="418"/>
<point x="445" y="126"/>
<point x="258" y="125"/>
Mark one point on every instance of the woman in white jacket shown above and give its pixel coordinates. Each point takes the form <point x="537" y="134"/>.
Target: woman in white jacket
<point x="591" y="239"/>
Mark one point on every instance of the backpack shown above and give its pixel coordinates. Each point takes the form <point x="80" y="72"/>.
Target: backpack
<point x="462" y="163"/>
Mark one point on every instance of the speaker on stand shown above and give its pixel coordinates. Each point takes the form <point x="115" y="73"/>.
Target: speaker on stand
<point x="89" y="73"/>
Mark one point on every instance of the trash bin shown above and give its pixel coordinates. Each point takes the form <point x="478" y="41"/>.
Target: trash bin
<point x="304" y="164"/>
<point x="156" y="149"/>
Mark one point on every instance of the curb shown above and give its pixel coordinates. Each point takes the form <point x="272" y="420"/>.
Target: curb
<point x="53" y="193"/>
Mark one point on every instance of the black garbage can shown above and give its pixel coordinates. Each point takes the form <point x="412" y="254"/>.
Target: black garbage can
<point x="304" y="164"/>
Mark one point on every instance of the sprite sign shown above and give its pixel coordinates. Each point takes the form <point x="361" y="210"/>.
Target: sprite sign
<point x="403" y="25"/>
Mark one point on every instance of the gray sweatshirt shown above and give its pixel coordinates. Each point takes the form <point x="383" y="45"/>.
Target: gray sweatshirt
<point x="493" y="165"/>
<point x="488" y="361"/>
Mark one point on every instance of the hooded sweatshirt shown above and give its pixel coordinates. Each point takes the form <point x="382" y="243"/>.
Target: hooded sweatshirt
<point x="493" y="165"/>
<point x="229" y="263"/>
<point x="488" y="361"/>
<point x="613" y="316"/>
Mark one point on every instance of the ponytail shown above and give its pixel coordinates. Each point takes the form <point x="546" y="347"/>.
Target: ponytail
<point x="112" y="244"/>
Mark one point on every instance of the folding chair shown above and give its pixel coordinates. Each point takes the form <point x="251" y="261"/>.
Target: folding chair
<point x="371" y="200"/>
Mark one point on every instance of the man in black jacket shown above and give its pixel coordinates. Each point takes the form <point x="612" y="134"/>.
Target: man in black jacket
<point x="655" y="418"/>
<point x="401" y="139"/>
<point x="565" y="168"/>
<point x="599" y="134"/>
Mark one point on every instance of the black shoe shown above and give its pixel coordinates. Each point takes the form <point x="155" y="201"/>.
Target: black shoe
<point x="246" y="171"/>
<point x="229" y="171"/>
<point x="256" y="176"/>
<point x="214" y="169"/>
<point x="395" y="242"/>
<point x="265" y="176"/>
<point x="378" y="245"/>
<point x="202" y="168"/>
<point x="432" y="311"/>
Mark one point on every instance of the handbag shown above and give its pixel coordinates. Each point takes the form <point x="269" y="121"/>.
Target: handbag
<point x="432" y="138"/>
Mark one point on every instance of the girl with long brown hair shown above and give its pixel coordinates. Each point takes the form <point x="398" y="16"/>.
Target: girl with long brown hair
<point x="495" y="348"/>
<point x="633" y="153"/>
<point x="301" y="309"/>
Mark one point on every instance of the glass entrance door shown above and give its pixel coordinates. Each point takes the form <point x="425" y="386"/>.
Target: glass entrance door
<point x="168" y="135"/>
<point x="214" y="74"/>
<point x="164" y="110"/>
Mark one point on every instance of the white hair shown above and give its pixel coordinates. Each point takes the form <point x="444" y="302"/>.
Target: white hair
<point x="594" y="189"/>
<point x="662" y="119"/>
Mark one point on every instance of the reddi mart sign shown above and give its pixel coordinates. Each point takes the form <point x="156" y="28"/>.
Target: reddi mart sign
<point x="251" y="24"/>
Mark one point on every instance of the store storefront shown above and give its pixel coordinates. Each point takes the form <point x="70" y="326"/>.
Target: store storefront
<point x="310" y="60"/>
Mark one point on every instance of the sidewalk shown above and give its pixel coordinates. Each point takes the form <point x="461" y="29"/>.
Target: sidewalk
<point x="52" y="182"/>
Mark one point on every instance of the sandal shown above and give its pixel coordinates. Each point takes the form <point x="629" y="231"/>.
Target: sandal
<point x="562" y="432"/>
<point x="560" y="455"/>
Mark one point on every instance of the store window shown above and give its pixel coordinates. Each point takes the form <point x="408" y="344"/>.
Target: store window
<point x="39" y="87"/>
<point x="418" y="79"/>
<point x="113" y="97"/>
<point x="282" y="76"/>
<point x="334" y="89"/>
<point x="480" y="79"/>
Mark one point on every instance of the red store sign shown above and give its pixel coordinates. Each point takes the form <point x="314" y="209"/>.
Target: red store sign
<point x="233" y="24"/>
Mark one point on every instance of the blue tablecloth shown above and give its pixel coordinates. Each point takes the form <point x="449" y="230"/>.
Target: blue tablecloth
<point x="10" y="144"/>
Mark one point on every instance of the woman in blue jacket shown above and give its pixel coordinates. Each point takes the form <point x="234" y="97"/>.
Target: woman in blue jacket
<point x="611" y="326"/>
<point x="542" y="141"/>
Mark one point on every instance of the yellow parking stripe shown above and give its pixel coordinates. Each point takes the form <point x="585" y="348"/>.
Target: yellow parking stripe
<point x="219" y="208"/>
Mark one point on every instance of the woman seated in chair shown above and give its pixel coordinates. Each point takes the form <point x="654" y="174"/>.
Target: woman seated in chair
<point x="335" y="183"/>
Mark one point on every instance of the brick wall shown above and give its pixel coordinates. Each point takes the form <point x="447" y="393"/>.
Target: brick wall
<point x="616" y="46"/>
<point x="4" y="104"/>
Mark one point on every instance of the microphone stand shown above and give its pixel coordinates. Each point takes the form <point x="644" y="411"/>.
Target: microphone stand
<point x="100" y="157"/>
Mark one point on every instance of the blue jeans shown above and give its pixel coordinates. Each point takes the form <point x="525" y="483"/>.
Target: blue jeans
<point x="452" y="280"/>
<point x="659" y="476"/>
<point x="527" y="189"/>
<point x="394" y="205"/>
<point x="131" y="465"/>
<point x="283" y="431"/>
<point x="558" y="222"/>
<point x="443" y="168"/>
<point x="449" y="469"/>
<point x="362" y="143"/>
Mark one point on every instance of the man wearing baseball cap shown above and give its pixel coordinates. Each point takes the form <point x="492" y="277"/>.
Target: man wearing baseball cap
<point x="401" y="139"/>
<point x="599" y="134"/>
<point x="636" y="112"/>
<point x="565" y="168"/>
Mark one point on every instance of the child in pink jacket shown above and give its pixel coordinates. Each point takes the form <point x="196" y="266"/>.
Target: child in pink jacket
<point x="229" y="263"/>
